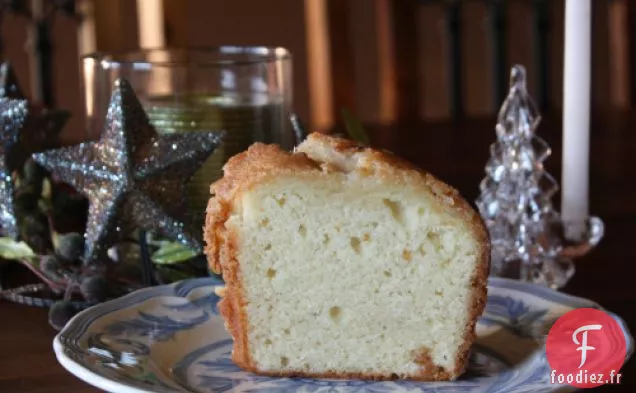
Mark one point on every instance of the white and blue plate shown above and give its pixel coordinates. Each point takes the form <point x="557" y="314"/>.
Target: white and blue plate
<point x="170" y="339"/>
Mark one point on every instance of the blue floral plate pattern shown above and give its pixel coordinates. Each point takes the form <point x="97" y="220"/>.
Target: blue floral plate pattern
<point x="170" y="339"/>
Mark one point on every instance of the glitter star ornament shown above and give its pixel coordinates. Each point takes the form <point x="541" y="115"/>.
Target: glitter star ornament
<point x="133" y="177"/>
<point x="24" y="128"/>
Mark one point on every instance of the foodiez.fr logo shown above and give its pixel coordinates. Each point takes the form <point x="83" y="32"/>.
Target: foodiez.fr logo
<point x="586" y="348"/>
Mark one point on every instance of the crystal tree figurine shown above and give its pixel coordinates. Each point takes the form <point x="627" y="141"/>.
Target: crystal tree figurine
<point x="527" y="234"/>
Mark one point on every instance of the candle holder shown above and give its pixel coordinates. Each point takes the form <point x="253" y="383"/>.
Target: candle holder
<point x="530" y="240"/>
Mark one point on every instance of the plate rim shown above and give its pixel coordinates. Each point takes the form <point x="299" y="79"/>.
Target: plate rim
<point x="75" y="329"/>
<point x="90" y="377"/>
<point x="79" y="324"/>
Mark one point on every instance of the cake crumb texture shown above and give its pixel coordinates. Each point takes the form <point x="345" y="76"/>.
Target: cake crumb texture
<point x="341" y="261"/>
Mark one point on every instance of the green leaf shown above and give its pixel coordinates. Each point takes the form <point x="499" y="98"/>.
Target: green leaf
<point x="354" y="128"/>
<point x="11" y="249"/>
<point x="170" y="253"/>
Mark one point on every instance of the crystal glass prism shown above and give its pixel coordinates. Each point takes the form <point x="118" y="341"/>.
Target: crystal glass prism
<point x="528" y="237"/>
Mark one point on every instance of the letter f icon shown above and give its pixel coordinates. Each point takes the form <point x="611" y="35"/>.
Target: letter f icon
<point x="584" y="347"/>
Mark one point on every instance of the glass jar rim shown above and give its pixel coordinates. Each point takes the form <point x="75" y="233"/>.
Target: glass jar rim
<point x="226" y="55"/>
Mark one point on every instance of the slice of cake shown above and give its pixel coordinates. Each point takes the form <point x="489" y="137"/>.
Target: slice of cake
<point x="342" y="261"/>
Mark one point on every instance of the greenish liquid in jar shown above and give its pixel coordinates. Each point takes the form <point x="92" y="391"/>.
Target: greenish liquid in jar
<point x="244" y="122"/>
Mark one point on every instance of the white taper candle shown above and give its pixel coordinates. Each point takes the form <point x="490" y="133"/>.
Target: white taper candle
<point x="576" y="114"/>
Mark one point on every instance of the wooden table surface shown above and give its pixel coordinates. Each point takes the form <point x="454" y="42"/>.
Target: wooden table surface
<point x="456" y="153"/>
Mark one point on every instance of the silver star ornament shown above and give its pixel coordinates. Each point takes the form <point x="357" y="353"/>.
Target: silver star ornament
<point x="24" y="128"/>
<point x="133" y="177"/>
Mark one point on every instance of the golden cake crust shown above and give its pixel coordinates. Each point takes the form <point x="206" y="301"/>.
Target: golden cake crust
<point x="321" y="153"/>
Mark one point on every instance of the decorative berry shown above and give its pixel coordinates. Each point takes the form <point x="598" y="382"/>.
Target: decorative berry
<point x="60" y="313"/>
<point x="70" y="246"/>
<point x="94" y="289"/>
<point x="52" y="267"/>
<point x="34" y="230"/>
<point x="27" y="199"/>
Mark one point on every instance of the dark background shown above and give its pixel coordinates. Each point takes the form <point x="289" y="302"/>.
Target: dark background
<point x="388" y="61"/>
